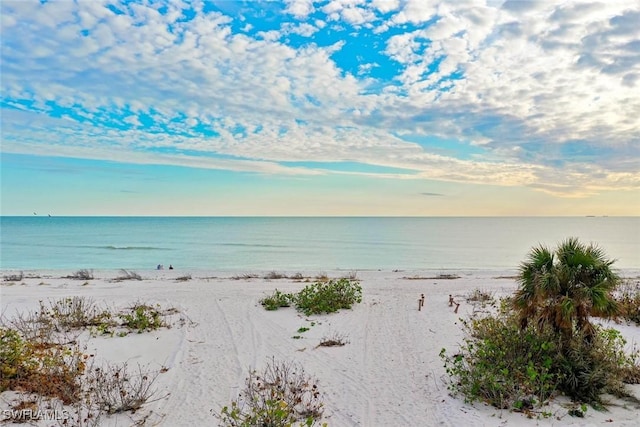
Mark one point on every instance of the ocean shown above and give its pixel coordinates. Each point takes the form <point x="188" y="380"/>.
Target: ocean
<point x="302" y="243"/>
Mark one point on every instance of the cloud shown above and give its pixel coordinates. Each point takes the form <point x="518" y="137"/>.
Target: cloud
<point x="299" y="8"/>
<point x="531" y="85"/>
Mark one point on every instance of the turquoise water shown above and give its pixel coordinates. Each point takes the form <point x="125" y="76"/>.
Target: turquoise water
<point x="258" y="243"/>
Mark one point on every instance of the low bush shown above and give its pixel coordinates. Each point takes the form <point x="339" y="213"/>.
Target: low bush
<point x="628" y="299"/>
<point x="14" y="277"/>
<point x="320" y="297"/>
<point x="51" y="370"/>
<point x="142" y="317"/>
<point x="37" y="356"/>
<point x="513" y="368"/>
<point x="116" y="389"/>
<point x="334" y="339"/>
<point x="75" y="313"/>
<point x="328" y="297"/>
<point x="276" y="300"/>
<point x="245" y="276"/>
<point x="83" y="274"/>
<point x="128" y="275"/>
<point x="481" y="296"/>
<point x="59" y="321"/>
<point x="282" y="395"/>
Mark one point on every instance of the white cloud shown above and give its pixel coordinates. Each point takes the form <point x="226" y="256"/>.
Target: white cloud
<point x="385" y="6"/>
<point x="415" y="11"/>
<point x="528" y="78"/>
<point x="299" y="8"/>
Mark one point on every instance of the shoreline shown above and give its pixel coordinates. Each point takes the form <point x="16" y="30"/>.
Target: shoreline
<point x="388" y="374"/>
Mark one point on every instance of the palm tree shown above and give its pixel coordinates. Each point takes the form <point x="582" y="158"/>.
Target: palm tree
<point x="562" y="289"/>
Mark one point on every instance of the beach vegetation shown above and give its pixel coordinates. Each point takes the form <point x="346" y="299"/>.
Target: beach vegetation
<point x="481" y="296"/>
<point x="318" y="298"/>
<point x="274" y="275"/>
<point x="245" y="276"/>
<point x="277" y="300"/>
<point x="115" y="388"/>
<point x="281" y="395"/>
<point x="352" y="275"/>
<point x="334" y="339"/>
<point x="628" y="299"/>
<point x="505" y="366"/>
<point x="47" y="369"/>
<point x="14" y="277"/>
<point x="75" y="312"/>
<point x="63" y="320"/>
<point x="128" y="275"/>
<point x="184" y="278"/>
<point x="83" y="274"/>
<point x="40" y="358"/>
<point x="142" y="318"/>
<point x="328" y="297"/>
<point x="541" y="343"/>
<point x="322" y="277"/>
<point x="563" y="288"/>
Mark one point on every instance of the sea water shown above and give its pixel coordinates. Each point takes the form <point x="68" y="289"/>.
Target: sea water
<point x="302" y="243"/>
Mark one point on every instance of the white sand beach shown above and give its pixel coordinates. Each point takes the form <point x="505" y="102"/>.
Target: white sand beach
<point x="389" y="373"/>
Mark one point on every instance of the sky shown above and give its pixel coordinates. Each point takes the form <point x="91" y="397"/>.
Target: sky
<point x="332" y="107"/>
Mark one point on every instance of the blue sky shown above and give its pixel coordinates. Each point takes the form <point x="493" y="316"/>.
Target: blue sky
<point x="333" y="107"/>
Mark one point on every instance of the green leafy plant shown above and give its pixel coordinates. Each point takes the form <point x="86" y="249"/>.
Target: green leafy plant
<point x="542" y="342"/>
<point x="142" y="318"/>
<point x="277" y="300"/>
<point x="503" y="365"/>
<point x="328" y="297"/>
<point x="563" y="288"/>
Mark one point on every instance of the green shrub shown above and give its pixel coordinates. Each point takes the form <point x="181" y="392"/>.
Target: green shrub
<point x="513" y="368"/>
<point x="276" y="300"/>
<point x="142" y="318"/>
<point x="503" y="365"/>
<point x="328" y="297"/>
